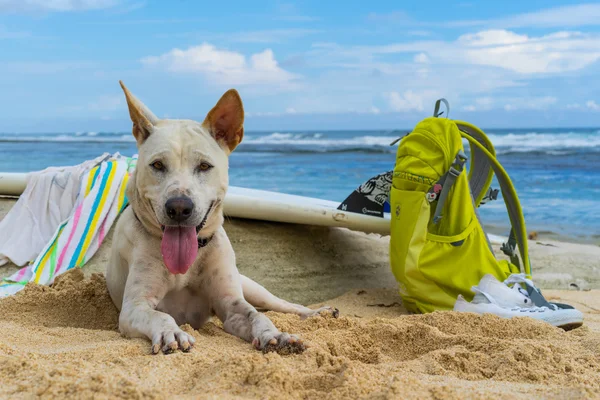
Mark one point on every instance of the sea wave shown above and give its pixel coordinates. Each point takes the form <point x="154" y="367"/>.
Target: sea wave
<point x="87" y="137"/>
<point x="317" y="139"/>
<point x="556" y="144"/>
<point x="544" y="141"/>
<point x="249" y="148"/>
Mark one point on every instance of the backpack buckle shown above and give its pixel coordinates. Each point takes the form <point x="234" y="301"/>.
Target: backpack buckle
<point x="491" y="194"/>
<point x="454" y="172"/>
<point x="459" y="162"/>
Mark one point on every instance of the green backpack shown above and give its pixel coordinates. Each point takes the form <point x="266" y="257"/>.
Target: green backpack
<point x="438" y="248"/>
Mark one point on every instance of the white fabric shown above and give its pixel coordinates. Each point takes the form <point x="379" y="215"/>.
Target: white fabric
<point x="47" y="201"/>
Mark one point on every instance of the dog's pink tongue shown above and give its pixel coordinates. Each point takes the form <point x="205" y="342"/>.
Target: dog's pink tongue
<point x="179" y="248"/>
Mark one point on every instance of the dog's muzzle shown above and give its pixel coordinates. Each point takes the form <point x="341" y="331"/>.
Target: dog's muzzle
<point x="179" y="209"/>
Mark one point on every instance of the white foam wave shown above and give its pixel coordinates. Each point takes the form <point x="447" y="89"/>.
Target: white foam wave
<point x="553" y="143"/>
<point x="82" y="138"/>
<point x="317" y="139"/>
<point x="545" y="141"/>
<point x="550" y="143"/>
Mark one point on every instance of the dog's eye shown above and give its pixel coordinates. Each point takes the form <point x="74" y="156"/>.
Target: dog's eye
<point x="204" y="167"/>
<point x="157" y="165"/>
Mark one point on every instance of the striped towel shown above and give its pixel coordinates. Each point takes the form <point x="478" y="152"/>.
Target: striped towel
<point x="100" y="200"/>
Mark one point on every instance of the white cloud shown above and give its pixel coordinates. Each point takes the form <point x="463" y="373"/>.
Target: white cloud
<point x="530" y="103"/>
<point x="592" y="105"/>
<point x="557" y="17"/>
<point x="491" y="37"/>
<point x="553" y="53"/>
<point x="224" y="66"/>
<point x="290" y="110"/>
<point x="565" y="16"/>
<point x="481" y="104"/>
<point x="375" y="110"/>
<point x="421" y="58"/>
<point x="354" y="76"/>
<point x="468" y="71"/>
<point x="54" y="5"/>
<point x="512" y="104"/>
<point x="408" y="100"/>
<point x="570" y="16"/>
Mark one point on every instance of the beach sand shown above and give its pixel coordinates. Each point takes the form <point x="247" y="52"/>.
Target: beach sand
<point x="62" y="341"/>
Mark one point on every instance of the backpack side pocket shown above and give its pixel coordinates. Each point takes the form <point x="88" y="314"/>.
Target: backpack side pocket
<point x="410" y="213"/>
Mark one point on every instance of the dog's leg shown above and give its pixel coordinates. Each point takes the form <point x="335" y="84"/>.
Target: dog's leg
<point x="139" y="318"/>
<point x="241" y="319"/>
<point x="224" y="288"/>
<point x="260" y="297"/>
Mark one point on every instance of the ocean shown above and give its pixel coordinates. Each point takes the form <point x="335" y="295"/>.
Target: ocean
<point x="556" y="171"/>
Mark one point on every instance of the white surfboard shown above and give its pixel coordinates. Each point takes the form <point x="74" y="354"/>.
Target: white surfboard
<point x="12" y="184"/>
<point x="264" y="205"/>
<point x="280" y="207"/>
<point x="270" y="206"/>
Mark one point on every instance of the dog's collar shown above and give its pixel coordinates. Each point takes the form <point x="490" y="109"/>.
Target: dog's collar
<point x="202" y="242"/>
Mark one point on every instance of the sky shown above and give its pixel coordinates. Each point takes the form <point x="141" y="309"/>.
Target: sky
<point x="299" y="65"/>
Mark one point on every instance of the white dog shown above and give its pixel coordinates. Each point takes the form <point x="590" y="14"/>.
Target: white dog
<point x="172" y="262"/>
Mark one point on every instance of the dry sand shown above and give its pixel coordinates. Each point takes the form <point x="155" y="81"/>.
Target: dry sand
<point x="62" y="341"/>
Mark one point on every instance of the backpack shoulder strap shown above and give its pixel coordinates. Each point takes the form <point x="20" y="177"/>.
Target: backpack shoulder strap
<point x="480" y="169"/>
<point x="515" y="213"/>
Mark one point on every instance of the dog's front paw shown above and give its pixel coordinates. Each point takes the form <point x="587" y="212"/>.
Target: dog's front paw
<point x="282" y="343"/>
<point x="172" y="339"/>
<point x="334" y="312"/>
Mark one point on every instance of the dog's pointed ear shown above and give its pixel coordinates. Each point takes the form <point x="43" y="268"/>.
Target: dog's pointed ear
<point x="143" y="119"/>
<point x="225" y="121"/>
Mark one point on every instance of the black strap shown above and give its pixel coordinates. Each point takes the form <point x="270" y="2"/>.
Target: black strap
<point x="204" y="241"/>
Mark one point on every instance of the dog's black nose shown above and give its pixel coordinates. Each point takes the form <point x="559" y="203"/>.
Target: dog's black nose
<point x="179" y="208"/>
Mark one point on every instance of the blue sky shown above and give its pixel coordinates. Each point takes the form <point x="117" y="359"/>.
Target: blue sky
<point x="304" y="65"/>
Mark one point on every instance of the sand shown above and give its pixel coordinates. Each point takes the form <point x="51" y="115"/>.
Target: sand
<point x="62" y="341"/>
